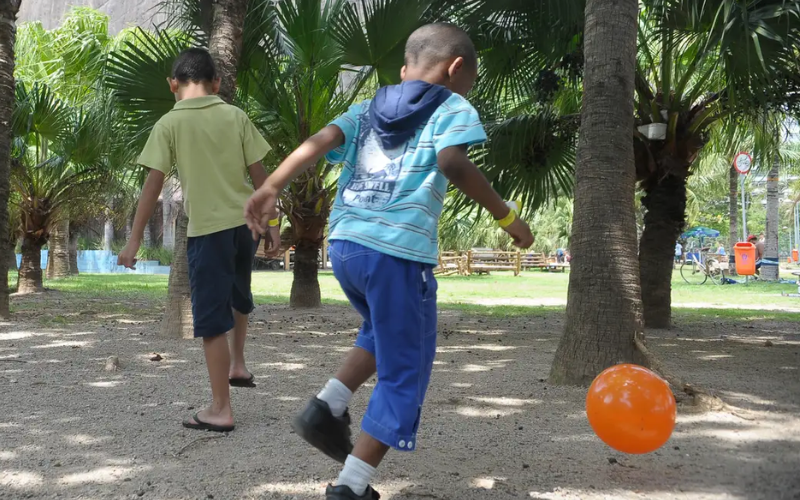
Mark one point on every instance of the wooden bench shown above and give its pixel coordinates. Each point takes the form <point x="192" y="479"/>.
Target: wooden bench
<point x="554" y="266"/>
<point x="484" y="261"/>
<point x="287" y="257"/>
<point x="533" y="261"/>
<point x="450" y="263"/>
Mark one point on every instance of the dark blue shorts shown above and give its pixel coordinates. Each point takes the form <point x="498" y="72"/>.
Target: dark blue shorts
<point x="397" y="300"/>
<point x="220" y="265"/>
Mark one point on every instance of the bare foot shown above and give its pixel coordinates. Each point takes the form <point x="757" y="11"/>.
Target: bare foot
<point x="239" y="372"/>
<point x="209" y="416"/>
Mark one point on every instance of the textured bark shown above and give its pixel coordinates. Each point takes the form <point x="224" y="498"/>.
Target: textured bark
<point x="8" y="32"/>
<point x="30" y="269"/>
<point x="772" y="273"/>
<point x="177" y="322"/>
<point x="305" y="284"/>
<point x="12" y="255"/>
<point x="604" y="306"/>
<point x="733" y="200"/>
<point x="168" y="214"/>
<point x="58" y="256"/>
<point x="73" y="250"/>
<point x="226" y="42"/>
<point x="108" y="231"/>
<point x="128" y="227"/>
<point x="225" y="45"/>
<point x="663" y="222"/>
<point x="147" y="238"/>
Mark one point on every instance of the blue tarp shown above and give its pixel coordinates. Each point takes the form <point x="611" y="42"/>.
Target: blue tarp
<point x="105" y="262"/>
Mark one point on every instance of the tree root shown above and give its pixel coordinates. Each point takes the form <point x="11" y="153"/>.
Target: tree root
<point x="685" y="393"/>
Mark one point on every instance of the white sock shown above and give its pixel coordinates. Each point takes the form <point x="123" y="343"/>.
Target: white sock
<point x="337" y="395"/>
<point x="356" y="474"/>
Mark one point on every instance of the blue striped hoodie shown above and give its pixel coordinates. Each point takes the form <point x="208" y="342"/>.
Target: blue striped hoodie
<point x="391" y="191"/>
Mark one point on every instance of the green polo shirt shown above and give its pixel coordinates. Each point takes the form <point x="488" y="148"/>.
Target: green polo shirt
<point x="212" y="144"/>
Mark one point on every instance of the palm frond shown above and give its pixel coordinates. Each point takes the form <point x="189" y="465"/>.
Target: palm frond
<point x="137" y="75"/>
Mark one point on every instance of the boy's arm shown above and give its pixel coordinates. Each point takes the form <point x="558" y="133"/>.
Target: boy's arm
<point x="262" y="204"/>
<point x="147" y="205"/>
<point x="465" y="175"/>
<point x="258" y="174"/>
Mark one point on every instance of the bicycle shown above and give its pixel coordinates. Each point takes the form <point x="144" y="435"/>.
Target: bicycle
<point x="697" y="271"/>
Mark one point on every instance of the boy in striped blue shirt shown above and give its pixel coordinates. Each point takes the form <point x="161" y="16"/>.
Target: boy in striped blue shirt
<point x="398" y="152"/>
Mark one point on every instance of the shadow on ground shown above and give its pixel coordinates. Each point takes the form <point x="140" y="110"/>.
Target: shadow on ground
<point x="492" y="427"/>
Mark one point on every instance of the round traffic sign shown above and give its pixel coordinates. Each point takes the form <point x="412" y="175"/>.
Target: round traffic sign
<point x="742" y="163"/>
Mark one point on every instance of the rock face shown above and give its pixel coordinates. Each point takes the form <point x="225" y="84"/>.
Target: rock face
<point x="122" y="13"/>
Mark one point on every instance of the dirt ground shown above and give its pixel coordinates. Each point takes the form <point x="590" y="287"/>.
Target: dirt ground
<point x="492" y="428"/>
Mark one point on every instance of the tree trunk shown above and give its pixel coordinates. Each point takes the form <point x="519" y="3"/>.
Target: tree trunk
<point x="129" y="227"/>
<point x="604" y="301"/>
<point x="177" y="322"/>
<point x="8" y="32"/>
<point x="168" y="215"/>
<point x="663" y="222"/>
<point x="147" y="238"/>
<point x="108" y="227"/>
<point x="73" y="251"/>
<point x="771" y="272"/>
<point x="733" y="203"/>
<point x="305" y="282"/>
<point x="58" y="256"/>
<point x="225" y="44"/>
<point x="30" y="269"/>
<point x="12" y="255"/>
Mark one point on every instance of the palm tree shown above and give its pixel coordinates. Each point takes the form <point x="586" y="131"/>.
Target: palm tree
<point x="604" y="277"/>
<point x="62" y="163"/>
<point x="697" y="68"/>
<point x="8" y="12"/>
<point x="69" y="60"/>
<point x="299" y="69"/>
<point x="699" y="65"/>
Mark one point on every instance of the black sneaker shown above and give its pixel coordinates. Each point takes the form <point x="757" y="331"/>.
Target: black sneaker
<point x="329" y="434"/>
<point x="345" y="493"/>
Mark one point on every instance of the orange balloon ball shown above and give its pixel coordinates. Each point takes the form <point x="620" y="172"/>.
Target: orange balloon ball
<point x="631" y="409"/>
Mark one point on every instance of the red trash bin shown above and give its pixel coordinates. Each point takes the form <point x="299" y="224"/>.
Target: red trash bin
<point x="795" y="255"/>
<point x="745" y="259"/>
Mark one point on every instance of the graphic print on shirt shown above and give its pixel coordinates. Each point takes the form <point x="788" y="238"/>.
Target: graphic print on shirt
<point x="376" y="171"/>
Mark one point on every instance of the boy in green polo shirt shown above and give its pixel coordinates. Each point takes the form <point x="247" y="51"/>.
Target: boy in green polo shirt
<point x="214" y="146"/>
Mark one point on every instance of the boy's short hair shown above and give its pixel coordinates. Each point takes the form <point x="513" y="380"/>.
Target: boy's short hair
<point x="194" y="65"/>
<point x="438" y="42"/>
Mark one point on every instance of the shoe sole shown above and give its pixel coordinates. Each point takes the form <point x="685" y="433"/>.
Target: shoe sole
<point x="318" y="441"/>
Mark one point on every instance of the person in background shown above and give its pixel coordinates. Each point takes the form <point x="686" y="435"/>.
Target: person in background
<point x="560" y="255"/>
<point x="678" y="253"/>
<point x="759" y="250"/>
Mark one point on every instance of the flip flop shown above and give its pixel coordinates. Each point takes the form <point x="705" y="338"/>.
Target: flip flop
<point x="243" y="382"/>
<point x="199" y="425"/>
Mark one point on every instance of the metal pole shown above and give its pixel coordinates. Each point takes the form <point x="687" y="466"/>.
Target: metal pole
<point x="797" y="226"/>
<point x="744" y="211"/>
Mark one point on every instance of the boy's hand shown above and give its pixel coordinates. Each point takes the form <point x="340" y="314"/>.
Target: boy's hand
<point x="258" y="208"/>
<point x="127" y="257"/>
<point x="273" y="242"/>
<point x="520" y="233"/>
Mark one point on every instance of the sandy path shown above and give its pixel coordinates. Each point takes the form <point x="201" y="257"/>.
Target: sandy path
<point x="492" y="427"/>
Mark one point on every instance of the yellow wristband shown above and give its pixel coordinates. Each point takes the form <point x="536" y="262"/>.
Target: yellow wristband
<point x="274" y="223"/>
<point x="512" y="215"/>
<point x="508" y="219"/>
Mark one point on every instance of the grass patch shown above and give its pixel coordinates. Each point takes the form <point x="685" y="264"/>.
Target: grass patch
<point x="116" y="292"/>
